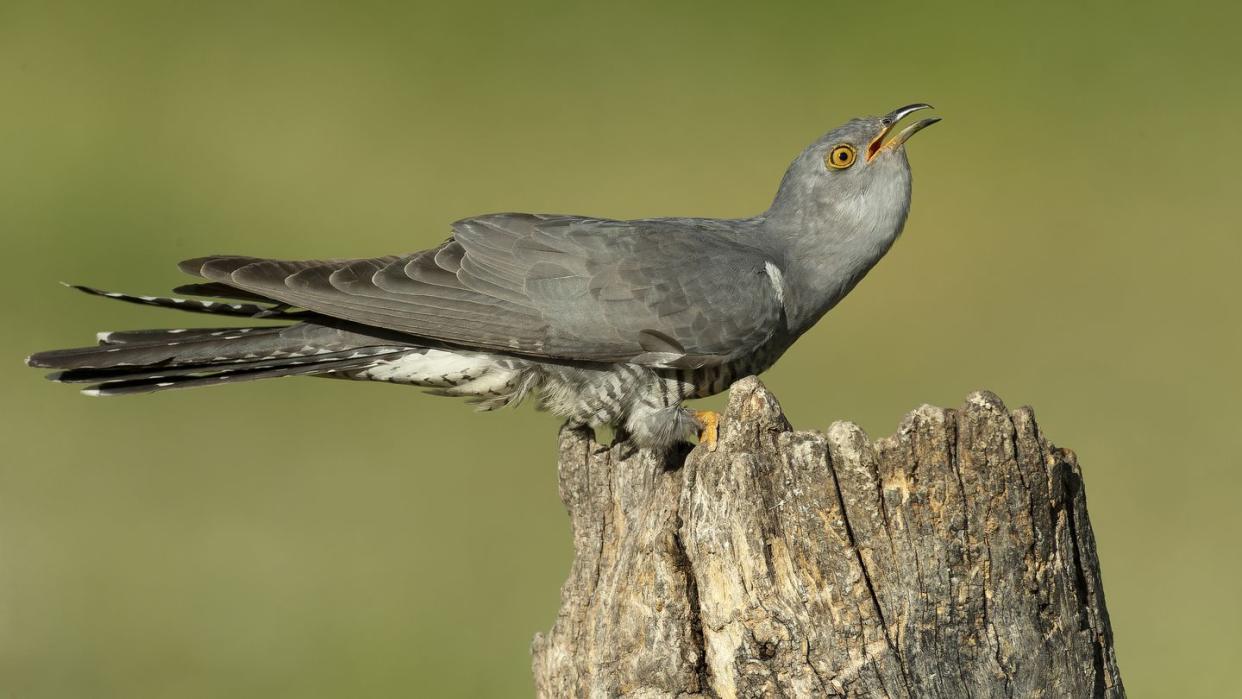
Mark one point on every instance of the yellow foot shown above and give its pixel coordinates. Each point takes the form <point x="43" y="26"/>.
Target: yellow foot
<point x="709" y="421"/>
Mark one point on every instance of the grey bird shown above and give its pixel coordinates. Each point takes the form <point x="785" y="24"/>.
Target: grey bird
<point x="604" y="322"/>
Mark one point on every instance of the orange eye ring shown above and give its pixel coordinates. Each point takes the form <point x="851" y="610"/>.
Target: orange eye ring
<point x="840" y="157"/>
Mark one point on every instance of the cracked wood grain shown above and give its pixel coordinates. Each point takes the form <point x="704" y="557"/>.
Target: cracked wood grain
<point x="952" y="559"/>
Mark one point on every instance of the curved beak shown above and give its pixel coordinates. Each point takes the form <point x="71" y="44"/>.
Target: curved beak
<point x="878" y="144"/>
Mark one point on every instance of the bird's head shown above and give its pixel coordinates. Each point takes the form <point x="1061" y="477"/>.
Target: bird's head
<point x="856" y="176"/>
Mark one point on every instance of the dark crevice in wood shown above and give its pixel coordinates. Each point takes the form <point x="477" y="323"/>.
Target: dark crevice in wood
<point x="695" y="616"/>
<point x="866" y="573"/>
<point x="1074" y="484"/>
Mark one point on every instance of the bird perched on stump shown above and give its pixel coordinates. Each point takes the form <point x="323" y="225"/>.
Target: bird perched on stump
<point x="604" y="322"/>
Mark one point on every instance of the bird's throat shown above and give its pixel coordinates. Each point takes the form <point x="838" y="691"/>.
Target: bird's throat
<point x="826" y="257"/>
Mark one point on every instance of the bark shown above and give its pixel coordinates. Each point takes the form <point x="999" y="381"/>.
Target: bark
<point x="952" y="559"/>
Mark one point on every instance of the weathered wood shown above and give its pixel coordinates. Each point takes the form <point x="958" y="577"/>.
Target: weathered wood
<point x="952" y="559"/>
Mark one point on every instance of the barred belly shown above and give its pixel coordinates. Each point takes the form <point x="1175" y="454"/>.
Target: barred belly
<point x="646" y="403"/>
<point x="642" y="402"/>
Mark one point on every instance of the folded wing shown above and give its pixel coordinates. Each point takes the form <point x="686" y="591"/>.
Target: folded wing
<point x="668" y="293"/>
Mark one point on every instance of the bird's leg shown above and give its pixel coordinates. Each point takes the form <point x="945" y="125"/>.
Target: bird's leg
<point x="623" y="442"/>
<point x="709" y="424"/>
<point x="619" y="434"/>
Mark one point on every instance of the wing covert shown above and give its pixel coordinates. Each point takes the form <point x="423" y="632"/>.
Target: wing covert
<point x="662" y="292"/>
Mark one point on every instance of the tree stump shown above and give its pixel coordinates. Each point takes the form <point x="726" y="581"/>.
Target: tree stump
<point x="952" y="559"/>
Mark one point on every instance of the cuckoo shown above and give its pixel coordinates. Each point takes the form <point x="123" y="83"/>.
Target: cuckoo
<point x="601" y="321"/>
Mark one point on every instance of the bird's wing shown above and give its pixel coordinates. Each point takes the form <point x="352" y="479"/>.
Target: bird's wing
<point x="661" y="293"/>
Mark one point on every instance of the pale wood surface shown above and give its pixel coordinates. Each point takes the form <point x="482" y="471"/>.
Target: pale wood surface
<point x="952" y="559"/>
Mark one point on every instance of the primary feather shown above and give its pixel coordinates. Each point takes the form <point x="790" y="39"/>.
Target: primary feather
<point x="552" y="287"/>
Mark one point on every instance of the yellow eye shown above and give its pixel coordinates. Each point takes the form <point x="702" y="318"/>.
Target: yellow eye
<point x="841" y="157"/>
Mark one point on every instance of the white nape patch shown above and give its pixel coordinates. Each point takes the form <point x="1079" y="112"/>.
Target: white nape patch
<point x="92" y="392"/>
<point x="102" y="337"/>
<point x="778" y="281"/>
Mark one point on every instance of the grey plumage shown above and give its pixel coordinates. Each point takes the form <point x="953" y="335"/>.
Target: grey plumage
<point x="607" y="322"/>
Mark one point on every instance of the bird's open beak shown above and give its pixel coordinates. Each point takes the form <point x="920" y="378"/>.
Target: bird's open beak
<point x="878" y="145"/>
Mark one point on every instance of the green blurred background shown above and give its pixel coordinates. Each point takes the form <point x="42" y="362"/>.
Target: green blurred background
<point x="1073" y="245"/>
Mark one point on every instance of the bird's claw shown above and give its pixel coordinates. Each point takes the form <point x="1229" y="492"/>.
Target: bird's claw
<point x="709" y="427"/>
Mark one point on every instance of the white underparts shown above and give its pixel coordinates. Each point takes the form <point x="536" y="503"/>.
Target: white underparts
<point x="646" y="404"/>
<point x="466" y="374"/>
<point x="435" y="368"/>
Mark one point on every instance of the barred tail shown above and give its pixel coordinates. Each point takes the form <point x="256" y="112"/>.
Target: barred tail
<point x="274" y="310"/>
<point x="142" y="361"/>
